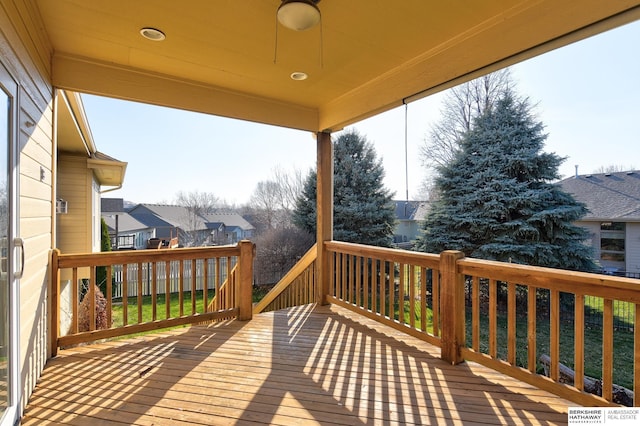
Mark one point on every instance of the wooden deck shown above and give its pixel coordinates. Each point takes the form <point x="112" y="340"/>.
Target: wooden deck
<point x="304" y="365"/>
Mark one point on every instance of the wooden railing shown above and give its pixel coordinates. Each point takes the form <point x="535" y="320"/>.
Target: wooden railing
<point x="396" y="287"/>
<point x="425" y="295"/>
<point x="180" y="282"/>
<point x="297" y="287"/>
<point x="522" y="289"/>
<point x="224" y="294"/>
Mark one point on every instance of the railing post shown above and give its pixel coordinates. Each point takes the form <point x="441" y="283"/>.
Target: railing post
<point x="324" y="213"/>
<point x="452" y="307"/>
<point x="54" y="327"/>
<point x="245" y="279"/>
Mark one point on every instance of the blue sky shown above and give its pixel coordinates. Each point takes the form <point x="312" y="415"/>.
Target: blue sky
<point x="587" y="95"/>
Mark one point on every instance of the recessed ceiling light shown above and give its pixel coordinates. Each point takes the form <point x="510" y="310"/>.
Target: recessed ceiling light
<point x="152" y="34"/>
<point x="299" y="76"/>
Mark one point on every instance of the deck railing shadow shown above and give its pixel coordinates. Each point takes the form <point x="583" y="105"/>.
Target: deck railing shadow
<point x="341" y="370"/>
<point x="424" y="295"/>
<point x="134" y="374"/>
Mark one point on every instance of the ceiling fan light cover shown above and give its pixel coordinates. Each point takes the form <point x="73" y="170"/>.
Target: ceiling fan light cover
<point x="298" y="15"/>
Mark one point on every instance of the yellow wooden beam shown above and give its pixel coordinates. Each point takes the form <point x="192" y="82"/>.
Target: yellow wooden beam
<point x="127" y="83"/>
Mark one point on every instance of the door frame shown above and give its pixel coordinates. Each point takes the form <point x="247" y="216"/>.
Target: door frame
<point x="12" y="413"/>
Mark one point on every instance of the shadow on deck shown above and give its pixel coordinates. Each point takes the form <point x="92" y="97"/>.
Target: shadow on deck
<point x="304" y="365"/>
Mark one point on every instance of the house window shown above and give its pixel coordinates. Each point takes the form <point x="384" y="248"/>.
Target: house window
<point x="612" y="236"/>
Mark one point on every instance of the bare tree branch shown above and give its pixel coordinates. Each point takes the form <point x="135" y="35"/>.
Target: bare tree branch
<point x="461" y="106"/>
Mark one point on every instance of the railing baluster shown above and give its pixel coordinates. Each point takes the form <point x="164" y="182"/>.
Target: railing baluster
<point x="435" y="301"/>
<point x="578" y="351"/>
<point x="139" y="295"/>
<point x="125" y="295"/>
<point x="218" y="282"/>
<point x="154" y="291"/>
<point x="228" y="288"/>
<point x="401" y="288"/>
<point x="366" y="283"/>
<point x="109" y="297"/>
<point x="384" y="291"/>
<point x="181" y="289"/>
<point x="532" y="313"/>
<point x="493" y="318"/>
<point x="423" y="299"/>
<point x="75" y="301"/>
<point x="92" y="298"/>
<point x="205" y="284"/>
<point x="475" y="314"/>
<point x="607" y="350"/>
<point x="348" y="265"/>
<point x="343" y="276"/>
<point x="358" y="280"/>
<point x="412" y="296"/>
<point x="167" y="288"/>
<point x="193" y="285"/>
<point x="511" y="323"/>
<point x="331" y="260"/>
<point x="375" y="274"/>
<point x="554" y="340"/>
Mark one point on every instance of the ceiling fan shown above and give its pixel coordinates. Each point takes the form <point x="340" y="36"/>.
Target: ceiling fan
<point x="299" y="15"/>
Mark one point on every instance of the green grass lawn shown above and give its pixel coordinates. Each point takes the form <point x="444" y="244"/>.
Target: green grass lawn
<point x="147" y="307"/>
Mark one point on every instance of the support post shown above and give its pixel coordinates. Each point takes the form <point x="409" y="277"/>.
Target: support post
<point x="452" y="307"/>
<point x="54" y="327"/>
<point x="244" y="285"/>
<point x="324" y="210"/>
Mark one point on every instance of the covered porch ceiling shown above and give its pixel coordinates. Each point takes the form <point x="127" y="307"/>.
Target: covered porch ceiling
<point x="222" y="57"/>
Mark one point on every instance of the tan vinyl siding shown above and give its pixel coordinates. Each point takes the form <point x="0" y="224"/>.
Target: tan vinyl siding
<point x="74" y="185"/>
<point x="25" y="52"/>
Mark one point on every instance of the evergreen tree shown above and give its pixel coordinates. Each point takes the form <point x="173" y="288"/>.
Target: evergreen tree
<point x="497" y="201"/>
<point x="105" y="245"/>
<point x="362" y="208"/>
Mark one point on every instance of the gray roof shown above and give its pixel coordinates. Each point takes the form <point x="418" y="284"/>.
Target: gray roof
<point x="126" y="223"/>
<point x="229" y="219"/>
<point x="112" y="205"/>
<point x="608" y="196"/>
<point x="411" y="210"/>
<point x="163" y="215"/>
<point x="150" y="220"/>
<point x="176" y="216"/>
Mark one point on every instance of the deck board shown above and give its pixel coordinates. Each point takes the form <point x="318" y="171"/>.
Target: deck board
<point x="304" y="365"/>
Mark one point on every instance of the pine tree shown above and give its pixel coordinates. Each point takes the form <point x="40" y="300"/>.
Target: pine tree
<point x="497" y="200"/>
<point x="362" y="211"/>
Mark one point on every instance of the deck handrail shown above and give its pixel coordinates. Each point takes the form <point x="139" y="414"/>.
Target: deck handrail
<point x="388" y="285"/>
<point x="186" y="270"/>
<point x="301" y="275"/>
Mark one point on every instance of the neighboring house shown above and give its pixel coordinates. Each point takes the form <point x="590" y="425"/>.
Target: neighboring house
<point x="613" y="221"/>
<point x="228" y="227"/>
<point x="128" y="233"/>
<point x="165" y="221"/>
<point x="409" y="218"/>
